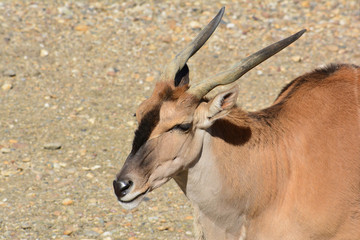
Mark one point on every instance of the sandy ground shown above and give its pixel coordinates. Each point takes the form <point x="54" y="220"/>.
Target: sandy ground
<point x="73" y="72"/>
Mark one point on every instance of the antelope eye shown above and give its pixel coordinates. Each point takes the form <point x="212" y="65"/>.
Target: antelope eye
<point x="182" y="127"/>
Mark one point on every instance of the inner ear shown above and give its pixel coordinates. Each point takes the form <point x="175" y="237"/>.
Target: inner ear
<point x="182" y="77"/>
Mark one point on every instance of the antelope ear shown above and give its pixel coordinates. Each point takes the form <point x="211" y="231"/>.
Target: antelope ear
<point x="217" y="108"/>
<point x="182" y="77"/>
<point x="220" y="105"/>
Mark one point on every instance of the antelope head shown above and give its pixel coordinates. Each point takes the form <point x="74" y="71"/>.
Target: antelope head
<point x="172" y="122"/>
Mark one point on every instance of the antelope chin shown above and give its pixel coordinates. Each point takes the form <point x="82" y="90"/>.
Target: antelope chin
<point x="135" y="200"/>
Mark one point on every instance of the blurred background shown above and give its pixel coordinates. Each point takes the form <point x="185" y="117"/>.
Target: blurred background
<point x="72" y="74"/>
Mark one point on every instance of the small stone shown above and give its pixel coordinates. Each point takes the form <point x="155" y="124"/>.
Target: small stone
<point x="163" y="228"/>
<point x="95" y="167"/>
<point x="5" y="150"/>
<point x="194" y="24"/>
<point x="112" y="71"/>
<point x="9" y="73"/>
<point x="90" y="175"/>
<point x="305" y="4"/>
<point x="333" y="48"/>
<point x="44" y="53"/>
<point x="81" y="28"/>
<point x="82" y="152"/>
<point x="26" y="159"/>
<point x="131" y="123"/>
<point x="106" y="234"/>
<point x="166" y="39"/>
<point x="26" y="225"/>
<point x="91" y="120"/>
<point x="7" y="173"/>
<point x="67" y="202"/>
<point x="57" y="213"/>
<point x="7" y="86"/>
<point x="91" y="233"/>
<point x="66" y="12"/>
<point x="68" y="232"/>
<point x="153" y="219"/>
<point x="296" y="58"/>
<point x="230" y="25"/>
<point x="149" y="78"/>
<point x="52" y="146"/>
<point x="97" y="230"/>
<point x="188" y="233"/>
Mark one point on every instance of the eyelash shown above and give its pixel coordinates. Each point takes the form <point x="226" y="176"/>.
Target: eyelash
<point x="182" y="127"/>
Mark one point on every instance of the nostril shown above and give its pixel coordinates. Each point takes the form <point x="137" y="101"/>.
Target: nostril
<point x="124" y="185"/>
<point x="121" y="187"/>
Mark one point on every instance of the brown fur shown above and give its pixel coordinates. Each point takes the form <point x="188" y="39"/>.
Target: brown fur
<point x="290" y="171"/>
<point x="301" y="166"/>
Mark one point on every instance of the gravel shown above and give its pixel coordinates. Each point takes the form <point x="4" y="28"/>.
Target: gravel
<point x="73" y="73"/>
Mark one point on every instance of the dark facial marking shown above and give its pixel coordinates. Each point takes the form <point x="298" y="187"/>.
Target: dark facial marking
<point x="151" y="118"/>
<point x="146" y="126"/>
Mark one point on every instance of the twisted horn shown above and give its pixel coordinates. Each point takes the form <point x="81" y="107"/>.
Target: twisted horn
<point x="239" y="69"/>
<point x="181" y="58"/>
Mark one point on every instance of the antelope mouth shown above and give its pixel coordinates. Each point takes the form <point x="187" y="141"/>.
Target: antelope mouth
<point x="134" y="201"/>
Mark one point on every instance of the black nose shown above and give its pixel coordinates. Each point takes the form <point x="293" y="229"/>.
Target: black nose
<point x="122" y="187"/>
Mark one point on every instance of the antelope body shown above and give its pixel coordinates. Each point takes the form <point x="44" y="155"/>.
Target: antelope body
<point x="290" y="171"/>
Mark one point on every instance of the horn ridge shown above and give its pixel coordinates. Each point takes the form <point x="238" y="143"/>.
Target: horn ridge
<point x="182" y="57"/>
<point x="239" y="69"/>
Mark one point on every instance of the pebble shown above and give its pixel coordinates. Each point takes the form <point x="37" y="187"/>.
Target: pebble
<point x="106" y="234"/>
<point x="68" y="231"/>
<point x="90" y="175"/>
<point x="81" y="28"/>
<point x="110" y="72"/>
<point x="230" y="25"/>
<point x="333" y="48"/>
<point x="6" y="86"/>
<point x="26" y="159"/>
<point x="67" y="202"/>
<point x="5" y="150"/>
<point x="91" y="233"/>
<point x="52" y="146"/>
<point x="163" y="228"/>
<point x="65" y="11"/>
<point x="149" y="78"/>
<point x="44" y="53"/>
<point x="9" y="73"/>
<point x="131" y="123"/>
<point x="195" y="24"/>
<point x="296" y="58"/>
<point x="95" y="167"/>
<point x="25" y="225"/>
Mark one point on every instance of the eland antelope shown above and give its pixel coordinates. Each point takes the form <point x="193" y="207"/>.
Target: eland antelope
<point x="289" y="171"/>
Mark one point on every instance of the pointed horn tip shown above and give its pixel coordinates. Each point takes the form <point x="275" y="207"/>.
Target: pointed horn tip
<point x="300" y="33"/>
<point x="220" y="13"/>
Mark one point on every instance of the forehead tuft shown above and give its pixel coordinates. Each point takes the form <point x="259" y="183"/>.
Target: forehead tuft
<point x="149" y="110"/>
<point x="164" y="91"/>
